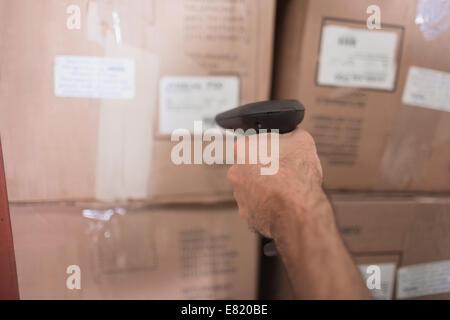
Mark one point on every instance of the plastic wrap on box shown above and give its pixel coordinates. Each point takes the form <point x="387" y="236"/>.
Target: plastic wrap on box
<point x="433" y="16"/>
<point x="195" y="252"/>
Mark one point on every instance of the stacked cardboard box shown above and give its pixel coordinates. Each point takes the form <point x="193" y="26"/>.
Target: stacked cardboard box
<point x="376" y="100"/>
<point x="377" y="105"/>
<point x="87" y="114"/>
<point x="180" y="252"/>
<point x="90" y="92"/>
<point x="87" y="110"/>
<point x="406" y="237"/>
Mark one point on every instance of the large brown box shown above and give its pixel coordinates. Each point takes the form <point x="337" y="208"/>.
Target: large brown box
<point x="81" y="113"/>
<point x="376" y="100"/>
<point x="176" y="252"/>
<point x="408" y="237"/>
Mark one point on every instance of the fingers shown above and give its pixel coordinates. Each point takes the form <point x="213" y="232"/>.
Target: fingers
<point x="244" y="147"/>
<point x="303" y="135"/>
<point x="240" y="200"/>
<point x="233" y="175"/>
<point x="296" y="131"/>
<point x="247" y="148"/>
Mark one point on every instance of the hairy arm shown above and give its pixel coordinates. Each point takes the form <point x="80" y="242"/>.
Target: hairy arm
<point x="314" y="255"/>
<point x="291" y="207"/>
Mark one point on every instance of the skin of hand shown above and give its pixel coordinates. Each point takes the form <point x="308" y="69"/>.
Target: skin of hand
<point x="264" y="199"/>
<point x="291" y="207"/>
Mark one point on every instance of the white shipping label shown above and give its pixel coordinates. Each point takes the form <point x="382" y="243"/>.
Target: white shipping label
<point x="423" y="279"/>
<point x="94" y="77"/>
<point x="352" y="57"/>
<point x="183" y="100"/>
<point x="385" y="277"/>
<point x="427" y="88"/>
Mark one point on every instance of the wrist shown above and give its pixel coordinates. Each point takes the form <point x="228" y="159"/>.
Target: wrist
<point x="308" y="210"/>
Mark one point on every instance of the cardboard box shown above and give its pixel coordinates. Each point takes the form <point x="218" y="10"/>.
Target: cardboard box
<point x="86" y="113"/>
<point x="177" y="252"/>
<point x="376" y="100"/>
<point x="408" y="238"/>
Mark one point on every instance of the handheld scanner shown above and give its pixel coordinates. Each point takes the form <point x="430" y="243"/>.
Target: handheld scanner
<point x="284" y="115"/>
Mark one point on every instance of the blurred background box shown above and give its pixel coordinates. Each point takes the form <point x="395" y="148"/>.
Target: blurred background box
<point x="377" y="100"/>
<point x="377" y="106"/>
<point x="86" y="114"/>
<point x="407" y="237"/>
<point x="176" y="252"/>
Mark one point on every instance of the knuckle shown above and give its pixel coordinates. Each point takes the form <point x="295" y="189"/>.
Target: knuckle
<point x="232" y="174"/>
<point x="307" y="137"/>
<point x="307" y="140"/>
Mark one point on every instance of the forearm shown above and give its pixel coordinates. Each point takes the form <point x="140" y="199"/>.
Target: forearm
<point x="318" y="264"/>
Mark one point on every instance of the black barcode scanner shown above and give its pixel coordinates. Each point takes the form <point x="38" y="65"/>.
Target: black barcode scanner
<point x="284" y="115"/>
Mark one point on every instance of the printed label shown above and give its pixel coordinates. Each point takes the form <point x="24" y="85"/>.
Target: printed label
<point x="357" y="58"/>
<point x="94" y="77"/>
<point x="427" y="88"/>
<point x="183" y="100"/>
<point x="423" y="279"/>
<point x="387" y="274"/>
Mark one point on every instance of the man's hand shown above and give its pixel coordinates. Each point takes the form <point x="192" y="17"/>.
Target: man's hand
<point x="291" y="207"/>
<point x="263" y="198"/>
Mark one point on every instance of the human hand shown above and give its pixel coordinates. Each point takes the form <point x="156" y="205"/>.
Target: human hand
<point x="263" y="200"/>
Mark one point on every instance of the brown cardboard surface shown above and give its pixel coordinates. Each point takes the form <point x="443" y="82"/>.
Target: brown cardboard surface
<point x="400" y="230"/>
<point x="414" y="228"/>
<point x="53" y="145"/>
<point x="368" y="140"/>
<point x="176" y="252"/>
<point x="170" y="182"/>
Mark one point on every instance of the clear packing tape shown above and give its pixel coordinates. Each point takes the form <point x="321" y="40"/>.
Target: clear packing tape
<point x="125" y="131"/>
